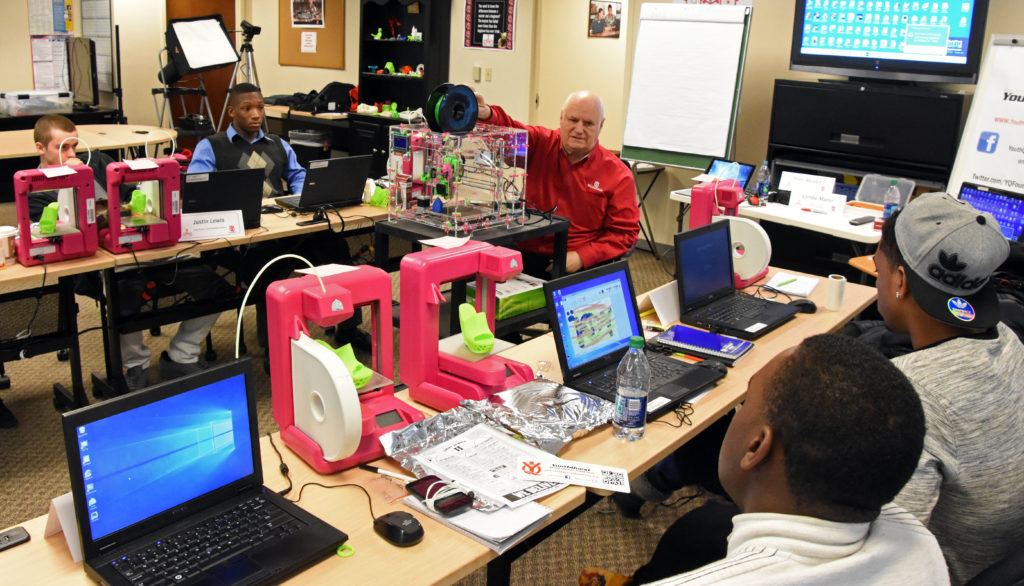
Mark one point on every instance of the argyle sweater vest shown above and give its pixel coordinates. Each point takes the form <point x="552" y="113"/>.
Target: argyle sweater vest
<point x="267" y="154"/>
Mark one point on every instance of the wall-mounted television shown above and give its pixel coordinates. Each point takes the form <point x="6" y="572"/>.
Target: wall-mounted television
<point x="902" y="40"/>
<point x="82" y="71"/>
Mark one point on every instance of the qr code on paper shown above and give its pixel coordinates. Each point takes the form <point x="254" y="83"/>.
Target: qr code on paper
<point x="612" y="478"/>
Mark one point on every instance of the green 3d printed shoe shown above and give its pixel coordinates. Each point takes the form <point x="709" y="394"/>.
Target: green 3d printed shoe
<point x="48" y="220"/>
<point x="475" y="331"/>
<point x="360" y="374"/>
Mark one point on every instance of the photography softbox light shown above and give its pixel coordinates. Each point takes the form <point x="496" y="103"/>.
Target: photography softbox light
<point x="200" y="44"/>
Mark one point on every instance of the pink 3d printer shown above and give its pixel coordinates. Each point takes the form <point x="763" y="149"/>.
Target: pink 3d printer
<point x="751" y="248"/>
<point x="152" y="220"/>
<point x="440" y="374"/>
<point x="68" y="230"/>
<point x="323" y="418"/>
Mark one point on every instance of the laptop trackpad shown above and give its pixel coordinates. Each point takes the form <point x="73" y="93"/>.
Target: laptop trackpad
<point x="237" y="570"/>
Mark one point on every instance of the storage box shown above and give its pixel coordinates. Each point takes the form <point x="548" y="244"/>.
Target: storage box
<point x="35" y="102"/>
<point x="516" y="296"/>
<point x="873" y="187"/>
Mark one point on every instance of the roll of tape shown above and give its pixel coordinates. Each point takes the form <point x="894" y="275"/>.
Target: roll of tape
<point x="751" y="248"/>
<point x="834" y="292"/>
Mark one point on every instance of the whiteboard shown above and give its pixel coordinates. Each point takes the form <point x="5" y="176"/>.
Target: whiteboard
<point x="992" y="144"/>
<point x="685" y="91"/>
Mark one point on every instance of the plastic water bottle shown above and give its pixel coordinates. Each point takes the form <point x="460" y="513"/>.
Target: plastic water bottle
<point x="764" y="180"/>
<point x="891" y="200"/>
<point x="634" y="384"/>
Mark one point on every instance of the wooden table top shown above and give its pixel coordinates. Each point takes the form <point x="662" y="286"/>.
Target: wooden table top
<point x="19" y="143"/>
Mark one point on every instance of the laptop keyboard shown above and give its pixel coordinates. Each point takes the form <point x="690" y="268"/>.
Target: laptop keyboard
<point x="185" y="554"/>
<point x="664" y="370"/>
<point x="737" y="309"/>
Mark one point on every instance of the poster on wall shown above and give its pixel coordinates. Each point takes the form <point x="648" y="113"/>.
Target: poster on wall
<point x="307" y="13"/>
<point x="992" y="144"/>
<point x="604" y="19"/>
<point x="489" y="24"/>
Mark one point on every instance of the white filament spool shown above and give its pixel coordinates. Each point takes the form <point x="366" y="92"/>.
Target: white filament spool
<point x="751" y="248"/>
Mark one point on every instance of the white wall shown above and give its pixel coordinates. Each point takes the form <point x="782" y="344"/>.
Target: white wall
<point x="510" y="70"/>
<point x="16" y="67"/>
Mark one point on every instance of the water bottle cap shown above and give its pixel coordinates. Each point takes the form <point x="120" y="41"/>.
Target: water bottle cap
<point x="636" y="341"/>
<point x="894" y="182"/>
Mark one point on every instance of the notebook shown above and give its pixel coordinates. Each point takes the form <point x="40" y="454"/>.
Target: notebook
<point x="220" y="191"/>
<point x="593" y="314"/>
<point x="168" y="465"/>
<point x="704" y="344"/>
<point x="331" y="182"/>
<point x="707" y="292"/>
<point x="1006" y="206"/>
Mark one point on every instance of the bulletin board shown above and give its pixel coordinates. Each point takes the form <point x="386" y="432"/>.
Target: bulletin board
<point x="330" y="38"/>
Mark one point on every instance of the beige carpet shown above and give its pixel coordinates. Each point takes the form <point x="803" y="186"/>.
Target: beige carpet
<point x="33" y="466"/>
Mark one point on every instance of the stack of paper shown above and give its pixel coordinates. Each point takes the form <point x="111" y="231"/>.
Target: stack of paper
<point x="498" y="530"/>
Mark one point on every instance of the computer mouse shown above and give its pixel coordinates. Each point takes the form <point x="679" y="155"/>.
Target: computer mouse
<point x="805" y="305"/>
<point x="714" y="365"/>
<point x="270" y="209"/>
<point x="399" y="528"/>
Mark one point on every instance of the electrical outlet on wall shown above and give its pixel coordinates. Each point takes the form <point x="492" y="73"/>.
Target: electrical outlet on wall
<point x="476" y="73"/>
<point x="487" y="74"/>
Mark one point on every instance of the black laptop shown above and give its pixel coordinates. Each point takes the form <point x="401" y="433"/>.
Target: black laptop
<point x="331" y="182"/>
<point x="720" y="169"/>
<point x="221" y="191"/>
<point x="593" y="314"/>
<point x="168" y="485"/>
<point x="707" y="292"/>
<point x="1006" y="206"/>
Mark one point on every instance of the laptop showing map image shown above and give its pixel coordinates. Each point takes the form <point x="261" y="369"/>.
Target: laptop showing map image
<point x="593" y="314"/>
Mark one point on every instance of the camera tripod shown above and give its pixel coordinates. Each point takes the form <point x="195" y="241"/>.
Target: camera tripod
<point x="246" y="64"/>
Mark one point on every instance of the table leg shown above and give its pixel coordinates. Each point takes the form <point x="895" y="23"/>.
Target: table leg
<point x="70" y="310"/>
<point x="114" y="383"/>
<point x="561" y="249"/>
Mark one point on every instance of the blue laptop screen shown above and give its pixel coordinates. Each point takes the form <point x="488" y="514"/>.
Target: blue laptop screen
<point x="142" y="462"/>
<point x="595" y="317"/>
<point x="1006" y="207"/>
<point x="720" y="169"/>
<point x="704" y="262"/>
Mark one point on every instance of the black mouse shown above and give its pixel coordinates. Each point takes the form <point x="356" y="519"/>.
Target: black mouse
<point x="805" y="305"/>
<point x="398" y="528"/>
<point x="714" y="365"/>
<point x="270" y="209"/>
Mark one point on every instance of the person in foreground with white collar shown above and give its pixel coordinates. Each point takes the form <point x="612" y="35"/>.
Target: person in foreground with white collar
<point x="829" y="433"/>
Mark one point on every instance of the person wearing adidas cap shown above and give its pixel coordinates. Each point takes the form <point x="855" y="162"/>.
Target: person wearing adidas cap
<point x="934" y="263"/>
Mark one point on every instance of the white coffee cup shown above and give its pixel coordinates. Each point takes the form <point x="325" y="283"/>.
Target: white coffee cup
<point x="834" y="292"/>
<point x="7" y="235"/>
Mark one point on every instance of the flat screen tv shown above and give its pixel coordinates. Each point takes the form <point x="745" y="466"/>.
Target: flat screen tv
<point x="82" y="71"/>
<point x="938" y="42"/>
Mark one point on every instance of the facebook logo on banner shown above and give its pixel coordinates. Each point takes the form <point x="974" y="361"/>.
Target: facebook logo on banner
<point x="987" y="142"/>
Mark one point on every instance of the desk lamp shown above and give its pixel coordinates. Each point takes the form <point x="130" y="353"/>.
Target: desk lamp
<point x="441" y="374"/>
<point x="154" y="221"/>
<point x="322" y="416"/>
<point x="74" y="234"/>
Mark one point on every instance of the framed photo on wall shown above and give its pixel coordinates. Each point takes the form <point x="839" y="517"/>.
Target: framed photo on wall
<point x="604" y="19"/>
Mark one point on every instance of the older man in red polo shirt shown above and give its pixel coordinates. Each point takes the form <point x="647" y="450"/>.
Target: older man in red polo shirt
<point x="577" y="178"/>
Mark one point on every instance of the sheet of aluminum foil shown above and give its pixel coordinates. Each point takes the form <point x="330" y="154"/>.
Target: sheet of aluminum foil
<point x="543" y="413"/>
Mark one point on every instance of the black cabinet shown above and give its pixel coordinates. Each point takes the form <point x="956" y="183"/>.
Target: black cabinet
<point x="857" y="128"/>
<point x="396" y="18"/>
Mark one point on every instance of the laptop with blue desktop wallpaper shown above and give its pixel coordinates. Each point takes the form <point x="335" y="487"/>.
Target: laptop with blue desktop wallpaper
<point x="707" y="292"/>
<point x="1006" y="206"/>
<point x="593" y="314"/>
<point x="721" y="169"/>
<point x="167" y="484"/>
<point x="335" y="183"/>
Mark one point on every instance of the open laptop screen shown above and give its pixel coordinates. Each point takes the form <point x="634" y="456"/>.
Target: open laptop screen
<point x="595" y="316"/>
<point x="1007" y="207"/>
<point x="144" y="461"/>
<point x="720" y="168"/>
<point x="703" y="264"/>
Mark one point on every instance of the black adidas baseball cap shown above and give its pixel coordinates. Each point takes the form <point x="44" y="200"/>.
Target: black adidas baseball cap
<point x="950" y="251"/>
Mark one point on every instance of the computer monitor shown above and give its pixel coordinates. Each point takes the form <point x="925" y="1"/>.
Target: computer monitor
<point x="82" y="71"/>
<point x="1007" y="207"/>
